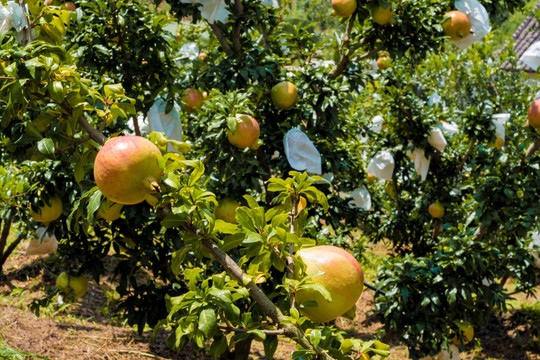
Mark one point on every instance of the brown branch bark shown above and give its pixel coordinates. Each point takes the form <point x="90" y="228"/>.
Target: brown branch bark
<point x="4" y="235"/>
<point x="94" y="134"/>
<point x="342" y="64"/>
<point x="237" y="34"/>
<point x="219" y="35"/>
<point x="10" y="249"/>
<point x="241" y="330"/>
<point x="269" y="308"/>
<point x="462" y="163"/>
<point x="531" y="150"/>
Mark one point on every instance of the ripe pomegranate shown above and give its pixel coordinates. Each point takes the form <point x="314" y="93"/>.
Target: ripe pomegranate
<point x="534" y="114"/>
<point x="247" y="131"/>
<point x="193" y="100"/>
<point x="126" y="169"/>
<point x="342" y="277"/>
<point x="457" y="26"/>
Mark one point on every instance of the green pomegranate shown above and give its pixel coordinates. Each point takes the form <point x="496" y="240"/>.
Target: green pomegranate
<point x="126" y="169"/>
<point x="341" y="275"/>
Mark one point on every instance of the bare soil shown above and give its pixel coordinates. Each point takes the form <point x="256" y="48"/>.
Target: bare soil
<point x="85" y="330"/>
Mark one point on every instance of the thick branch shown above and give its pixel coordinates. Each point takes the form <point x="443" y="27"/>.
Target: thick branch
<point x="219" y="35"/>
<point x="260" y="297"/>
<point x="94" y="134"/>
<point x="342" y="64"/>
<point x="4" y="235"/>
<point x="239" y="9"/>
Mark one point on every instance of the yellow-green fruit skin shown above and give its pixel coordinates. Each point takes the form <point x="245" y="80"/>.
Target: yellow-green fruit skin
<point x="383" y="15"/>
<point x="113" y="212"/>
<point x="62" y="281"/>
<point x="79" y="285"/>
<point x="343" y="279"/>
<point x="48" y="212"/>
<point x="284" y="95"/>
<point x="126" y="169"/>
<point x="436" y="210"/>
<point x="344" y="8"/>
<point x="226" y="210"/>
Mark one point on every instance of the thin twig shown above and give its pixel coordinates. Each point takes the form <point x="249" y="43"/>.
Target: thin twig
<point x="532" y="148"/>
<point x="469" y="150"/>
<point x="342" y="64"/>
<point x="242" y="330"/>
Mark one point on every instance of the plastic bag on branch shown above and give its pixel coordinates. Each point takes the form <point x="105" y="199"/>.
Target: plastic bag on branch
<point x="382" y="165"/>
<point x="43" y="245"/>
<point x="167" y="123"/>
<point x="377" y="123"/>
<point x="479" y="22"/>
<point x="301" y="154"/>
<point x="436" y="139"/>
<point x="361" y="198"/>
<point x="421" y="163"/>
<point x="499" y="120"/>
<point x="211" y="10"/>
<point x="531" y="56"/>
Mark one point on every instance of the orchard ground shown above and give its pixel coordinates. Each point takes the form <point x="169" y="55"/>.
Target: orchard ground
<point x="87" y="330"/>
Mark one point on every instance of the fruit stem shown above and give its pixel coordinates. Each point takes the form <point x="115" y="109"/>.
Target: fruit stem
<point x="151" y="185"/>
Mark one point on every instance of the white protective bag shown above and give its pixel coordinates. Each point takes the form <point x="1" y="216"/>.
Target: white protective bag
<point x="479" y="20"/>
<point x="301" y="153"/>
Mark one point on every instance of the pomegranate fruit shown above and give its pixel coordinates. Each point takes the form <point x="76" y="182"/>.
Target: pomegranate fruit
<point x="246" y="133"/>
<point x="341" y="275"/>
<point x="126" y="169"/>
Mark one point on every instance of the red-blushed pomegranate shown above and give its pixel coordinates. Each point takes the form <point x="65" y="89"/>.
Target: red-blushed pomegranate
<point x="343" y="279"/>
<point x="193" y="100"/>
<point x="247" y="131"/>
<point x="126" y="169"/>
<point x="534" y="114"/>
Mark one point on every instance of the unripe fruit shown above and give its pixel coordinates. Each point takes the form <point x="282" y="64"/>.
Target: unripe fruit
<point x="342" y="277"/>
<point x="344" y="8"/>
<point x="193" y="100"/>
<point x="389" y="188"/>
<point x="457" y="26"/>
<point x="534" y="114"/>
<point x="126" y="169"/>
<point x="48" y="212"/>
<point x="226" y="210"/>
<point x="71" y="285"/>
<point x="498" y="143"/>
<point x="112" y="213"/>
<point x="465" y="333"/>
<point x="246" y="133"/>
<point x="383" y="15"/>
<point x="436" y="210"/>
<point x="284" y="95"/>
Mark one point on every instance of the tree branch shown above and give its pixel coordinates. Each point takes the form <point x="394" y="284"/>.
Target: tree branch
<point x="342" y="64"/>
<point x="94" y="134"/>
<point x="241" y="330"/>
<point x="239" y="10"/>
<point x="532" y="148"/>
<point x="219" y="35"/>
<point x="269" y="308"/>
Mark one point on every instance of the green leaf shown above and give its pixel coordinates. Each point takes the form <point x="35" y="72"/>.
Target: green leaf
<point x="207" y="322"/>
<point x="270" y="346"/>
<point x="93" y="205"/>
<point x="46" y="147"/>
<point x="115" y="89"/>
<point x="56" y="91"/>
<point x="218" y="347"/>
<point x="225" y="227"/>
